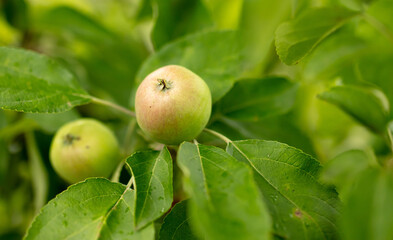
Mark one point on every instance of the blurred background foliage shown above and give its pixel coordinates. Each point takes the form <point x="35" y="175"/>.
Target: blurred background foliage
<point x="105" y="42"/>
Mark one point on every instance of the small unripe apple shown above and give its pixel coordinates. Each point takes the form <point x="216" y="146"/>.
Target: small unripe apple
<point x="173" y="105"/>
<point x="84" y="148"/>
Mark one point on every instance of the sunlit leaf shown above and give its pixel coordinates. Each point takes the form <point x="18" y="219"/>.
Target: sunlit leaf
<point x="301" y="207"/>
<point x="152" y="171"/>
<point x="297" y="38"/>
<point x="30" y="82"/>
<point x="225" y="202"/>
<point x="93" y="209"/>
<point x="176" y="224"/>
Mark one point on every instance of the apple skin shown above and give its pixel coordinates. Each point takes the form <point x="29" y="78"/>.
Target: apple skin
<point x="173" y="105"/>
<point x="84" y="148"/>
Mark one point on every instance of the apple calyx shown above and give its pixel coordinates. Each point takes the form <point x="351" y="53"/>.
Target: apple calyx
<point x="68" y="139"/>
<point x="164" y="85"/>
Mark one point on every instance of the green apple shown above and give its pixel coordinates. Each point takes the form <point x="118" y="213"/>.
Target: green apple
<point x="84" y="148"/>
<point x="173" y="105"/>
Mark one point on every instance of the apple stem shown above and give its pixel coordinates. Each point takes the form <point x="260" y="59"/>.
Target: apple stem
<point x="113" y="105"/>
<point x="217" y="134"/>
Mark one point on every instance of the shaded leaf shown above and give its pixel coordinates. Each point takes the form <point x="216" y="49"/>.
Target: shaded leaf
<point x="93" y="209"/>
<point x="343" y="170"/>
<point x="49" y="122"/>
<point x="152" y="171"/>
<point x="297" y="38"/>
<point x="301" y="207"/>
<point x="367" y="105"/>
<point x="225" y="202"/>
<point x="218" y="64"/>
<point x="370" y="204"/>
<point x="15" y="12"/>
<point x="335" y="53"/>
<point x="260" y="98"/>
<point x="258" y="23"/>
<point x="178" y="18"/>
<point x="280" y="128"/>
<point x="176" y="224"/>
<point x="30" y="82"/>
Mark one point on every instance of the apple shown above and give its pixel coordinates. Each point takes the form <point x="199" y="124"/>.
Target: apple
<point x="172" y="105"/>
<point x="84" y="148"/>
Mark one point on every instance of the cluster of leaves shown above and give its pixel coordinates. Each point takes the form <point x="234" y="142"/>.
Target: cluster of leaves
<point x="254" y="189"/>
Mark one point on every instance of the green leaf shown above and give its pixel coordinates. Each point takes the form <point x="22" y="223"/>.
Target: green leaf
<point x="92" y="47"/>
<point x="176" y="224"/>
<point x="218" y="64"/>
<point x="343" y="170"/>
<point x="297" y="38"/>
<point x="280" y="128"/>
<point x="367" y="105"/>
<point x="258" y="23"/>
<point x="178" y="18"/>
<point x="93" y="209"/>
<point x="375" y="68"/>
<point x="30" y="82"/>
<point x="16" y="13"/>
<point x="4" y="161"/>
<point x="301" y="207"/>
<point x="335" y="53"/>
<point x="260" y="98"/>
<point x="368" y="212"/>
<point x="152" y="171"/>
<point x="225" y="202"/>
<point x="38" y="171"/>
<point x="49" y="122"/>
<point x="379" y="15"/>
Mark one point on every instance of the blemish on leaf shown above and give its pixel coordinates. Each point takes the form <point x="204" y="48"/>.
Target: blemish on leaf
<point x="298" y="213"/>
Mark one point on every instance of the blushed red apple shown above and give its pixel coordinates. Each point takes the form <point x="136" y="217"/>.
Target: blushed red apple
<point x="173" y="105"/>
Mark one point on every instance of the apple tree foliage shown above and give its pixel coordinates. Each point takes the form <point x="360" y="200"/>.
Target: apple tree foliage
<point x="299" y="144"/>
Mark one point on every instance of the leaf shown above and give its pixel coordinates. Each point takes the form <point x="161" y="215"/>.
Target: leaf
<point x="225" y="202"/>
<point x="343" y="170"/>
<point x="153" y="172"/>
<point x="282" y="128"/>
<point x="49" y="122"/>
<point x="301" y="207"/>
<point x="30" y="82"/>
<point x="4" y="161"/>
<point x="95" y="49"/>
<point x="258" y="23"/>
<point x="176" y="224"/>
<point x="218" y="64"/>
<point x="379" y="14"/>
<point x="93" y="209"/>
<point x="38" y="170"/>
<point x="297" y="38"/>
<point x="15" y="12"/>
<point x="335" y="53"/>
<point x="367" y="105"/>
<point x="370" y="205"/>
<point x="178" y="18"/>
<point x="260" y="98"/>
<point x="376" y="69"/>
